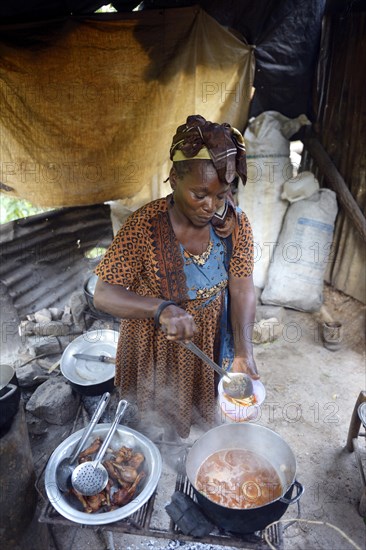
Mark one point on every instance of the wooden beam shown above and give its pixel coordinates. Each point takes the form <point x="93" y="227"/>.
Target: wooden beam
<point x="336" y="183"/>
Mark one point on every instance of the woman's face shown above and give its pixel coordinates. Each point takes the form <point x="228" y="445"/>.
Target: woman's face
<point x="199" y="194"/>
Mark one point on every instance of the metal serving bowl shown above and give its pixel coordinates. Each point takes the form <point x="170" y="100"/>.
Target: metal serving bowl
<point x="123" y="436"/>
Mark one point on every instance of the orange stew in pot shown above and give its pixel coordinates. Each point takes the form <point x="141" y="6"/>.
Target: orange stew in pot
<point x="238" y="478"/>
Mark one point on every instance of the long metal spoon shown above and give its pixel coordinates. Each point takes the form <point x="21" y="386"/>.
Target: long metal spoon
<point x="90" y="478"/>
<point x="67" y="465"/>
<point x="238" y="385"/>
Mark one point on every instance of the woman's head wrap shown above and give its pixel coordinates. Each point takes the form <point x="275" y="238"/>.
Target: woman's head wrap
<point x="221" y="143"/>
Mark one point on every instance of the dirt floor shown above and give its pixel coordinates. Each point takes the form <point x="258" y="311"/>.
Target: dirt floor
<point x="310" y="396"/>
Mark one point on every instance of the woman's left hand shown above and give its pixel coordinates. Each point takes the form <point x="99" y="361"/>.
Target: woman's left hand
<point x="247" y="365"/>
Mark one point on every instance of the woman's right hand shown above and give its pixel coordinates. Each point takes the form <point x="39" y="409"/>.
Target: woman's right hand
<point x="177" y="324"/>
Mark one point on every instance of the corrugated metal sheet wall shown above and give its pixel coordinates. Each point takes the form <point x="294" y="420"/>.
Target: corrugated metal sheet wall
<point x="42" y="258"/>
<point x="341" y="126"/>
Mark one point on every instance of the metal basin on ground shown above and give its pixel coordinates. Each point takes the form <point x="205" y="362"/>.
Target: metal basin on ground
<point x="67" y="507"/>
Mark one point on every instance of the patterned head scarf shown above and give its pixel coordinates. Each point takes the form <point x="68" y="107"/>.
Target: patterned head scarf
<point x="221" y="143"/>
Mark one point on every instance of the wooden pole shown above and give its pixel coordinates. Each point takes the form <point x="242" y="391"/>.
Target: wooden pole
<point x="337" y="183"/>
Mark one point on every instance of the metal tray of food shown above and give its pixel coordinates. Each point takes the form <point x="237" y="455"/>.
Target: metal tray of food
<point x="124" y="436"/>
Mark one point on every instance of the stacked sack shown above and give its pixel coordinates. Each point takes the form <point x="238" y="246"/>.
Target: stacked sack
<point x="269" y="167"/>
<point x="296" y="274"/>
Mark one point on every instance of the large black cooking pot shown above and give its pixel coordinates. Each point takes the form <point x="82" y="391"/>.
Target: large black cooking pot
<point x="9" y="397"/>
<point x="257" y="439"/>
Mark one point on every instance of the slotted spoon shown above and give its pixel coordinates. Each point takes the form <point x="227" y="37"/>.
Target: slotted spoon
<point x="90" y="478"/>
<point x="67" y="465"/>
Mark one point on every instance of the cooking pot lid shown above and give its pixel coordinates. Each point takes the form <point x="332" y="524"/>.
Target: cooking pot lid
<point x="88" y="373"/>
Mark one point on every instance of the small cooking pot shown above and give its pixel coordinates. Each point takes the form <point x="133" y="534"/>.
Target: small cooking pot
<point x="262" y="441"/>
<point x="90" y="377"/>
<point x="94" y="389"/>
<point x="89" y="288"/>
<point x="9" y="397"/>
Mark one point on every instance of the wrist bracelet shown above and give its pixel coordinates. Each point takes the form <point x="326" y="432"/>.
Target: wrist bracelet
<point x="160" y="309"/>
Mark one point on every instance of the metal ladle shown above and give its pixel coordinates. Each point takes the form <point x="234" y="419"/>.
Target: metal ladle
<point x="67" y="465"/>
<point x="238" y="385"/>
<point x="90" y="478"/>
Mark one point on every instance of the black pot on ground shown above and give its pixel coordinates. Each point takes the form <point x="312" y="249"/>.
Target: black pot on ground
<point x="89" y="288"/>
<point x="94" y="389"/>
<point x="259" y="440"/>
<point x="9" y="397"/>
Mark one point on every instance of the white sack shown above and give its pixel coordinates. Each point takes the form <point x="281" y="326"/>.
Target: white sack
<point x="269" y="166"/>
<point x="300" y="187"/>
<point x="296" y="273"/>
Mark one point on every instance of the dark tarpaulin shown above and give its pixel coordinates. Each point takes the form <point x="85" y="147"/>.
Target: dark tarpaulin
<point x="22" y="10"/>
<point x="286" y="36"/>
<point x="286" y="56"/>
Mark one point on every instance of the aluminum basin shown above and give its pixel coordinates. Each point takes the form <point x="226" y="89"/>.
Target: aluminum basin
<point x="123" y="436"/>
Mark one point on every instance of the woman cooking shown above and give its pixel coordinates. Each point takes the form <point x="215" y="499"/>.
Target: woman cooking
<point x="180" y="268"/>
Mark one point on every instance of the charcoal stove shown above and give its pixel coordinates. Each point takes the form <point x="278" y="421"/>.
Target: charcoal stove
<point x="140" y="523"/>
